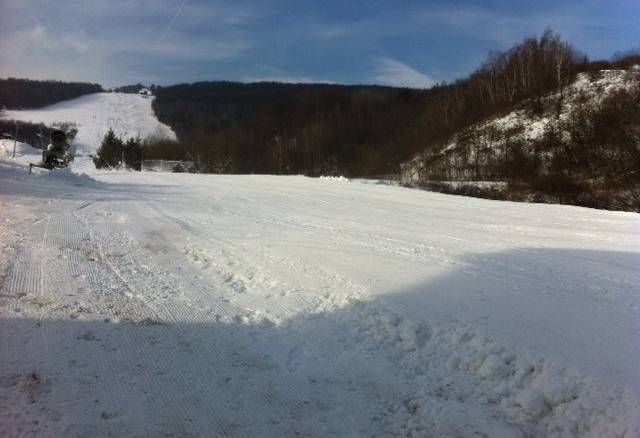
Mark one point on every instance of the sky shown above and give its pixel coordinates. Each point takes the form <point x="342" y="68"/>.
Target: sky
<point x="400" y="43"/>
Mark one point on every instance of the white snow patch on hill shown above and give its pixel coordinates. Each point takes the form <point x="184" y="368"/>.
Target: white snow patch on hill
<point x="528" y="127"/>
<point x="593" y="88"/>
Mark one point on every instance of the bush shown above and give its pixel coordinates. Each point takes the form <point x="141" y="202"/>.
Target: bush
<point x="115" y="153"/>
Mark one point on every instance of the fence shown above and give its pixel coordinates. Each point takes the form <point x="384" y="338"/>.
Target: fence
<point x="167" y="166"/>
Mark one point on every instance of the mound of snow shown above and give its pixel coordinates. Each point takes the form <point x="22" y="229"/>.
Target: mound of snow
<point x="335" y="178"/>
<point x="24" y="153"/>
<point x="457" y="367"/>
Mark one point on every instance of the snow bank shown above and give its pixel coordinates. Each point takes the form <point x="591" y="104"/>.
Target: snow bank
<point x="476" y="184"/>
<point x="335" y="178"/>
<point x="456" y="368"/>
<point x="25" y="153"/>
<point x="18" y="167"/>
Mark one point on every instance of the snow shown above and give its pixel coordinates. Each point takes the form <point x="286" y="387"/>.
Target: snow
<point x="129" y="115"/>
<point x="24" y="153"/>
<point x="335" y="178"/>
<point x="146" y="304"/>
<point x="525" y="126"/>
<point x="476" y="184"/>
<point x="595" y="89"/>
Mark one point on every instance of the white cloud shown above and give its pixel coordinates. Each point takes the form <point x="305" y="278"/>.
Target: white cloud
<point x="331" y="31"/>
<point x="120" y="41"/>
<point x="505" y="29"/>
<point x="287" y="79"/>
<point x="392" y="72"/>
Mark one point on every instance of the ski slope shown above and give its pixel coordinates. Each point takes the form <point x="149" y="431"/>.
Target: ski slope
<point x="146" y="304"/>
<point x="128" y="115"/>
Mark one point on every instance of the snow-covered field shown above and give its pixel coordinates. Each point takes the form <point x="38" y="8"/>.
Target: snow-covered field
<point x="145" y="304"/>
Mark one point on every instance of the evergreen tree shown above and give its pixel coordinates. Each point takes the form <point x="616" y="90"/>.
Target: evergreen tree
<point x="111" y="151"/>
<point x="133" y="153"/>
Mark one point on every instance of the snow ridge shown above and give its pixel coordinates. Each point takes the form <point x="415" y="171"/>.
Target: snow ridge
<point x="455" y="367"/>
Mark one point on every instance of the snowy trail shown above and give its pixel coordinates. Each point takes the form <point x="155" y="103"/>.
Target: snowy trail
<point x="142" y="304"/>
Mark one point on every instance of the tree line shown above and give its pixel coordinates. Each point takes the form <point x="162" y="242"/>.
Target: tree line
<point x="318" y="129"/>
<point x="29" y="94"/>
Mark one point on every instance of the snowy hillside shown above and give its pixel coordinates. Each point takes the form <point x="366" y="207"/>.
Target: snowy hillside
<point x="581" y="131"/>
<point x="140" y="304"/>
<point x="590" y="87"/>
<point x="129" y="115"/>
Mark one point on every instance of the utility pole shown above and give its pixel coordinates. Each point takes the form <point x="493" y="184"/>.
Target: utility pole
<point x="15" y="138"/>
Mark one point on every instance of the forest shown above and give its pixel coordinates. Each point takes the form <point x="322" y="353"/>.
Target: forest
<point x="350" y="130"/>
<point x="29" y="94"/>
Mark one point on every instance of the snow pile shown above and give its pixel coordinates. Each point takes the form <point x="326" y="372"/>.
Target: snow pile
<point x="454" y="367"/>
<point x="66" y="176"/>
<point x="335" y="178"/>
<point x="18" y="168"/>
<point x="25" y="153"/>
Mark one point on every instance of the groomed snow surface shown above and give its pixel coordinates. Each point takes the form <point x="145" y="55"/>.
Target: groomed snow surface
<point x="146" y="304"/>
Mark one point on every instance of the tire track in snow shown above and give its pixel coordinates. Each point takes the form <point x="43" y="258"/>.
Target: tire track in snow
<point x="186" y="409"/>
<point x="273" y="401"/>
<point x="354" y="238"/>
<point x="307" y="302"/>
<point x="35" y="273"/>
<point x="187" y="321"/>
<point x="332" y="281"/>
<point x="228" y="252"/>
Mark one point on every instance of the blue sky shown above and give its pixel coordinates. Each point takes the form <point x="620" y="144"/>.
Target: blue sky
<point x="402" y="42"/>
